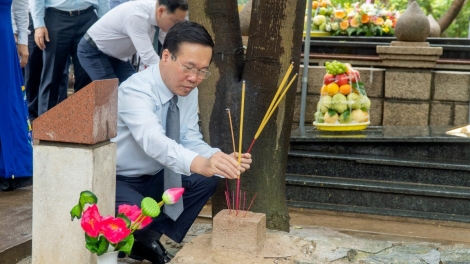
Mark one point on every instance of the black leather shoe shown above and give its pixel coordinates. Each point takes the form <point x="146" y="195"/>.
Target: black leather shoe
<point x="154" y="253"/>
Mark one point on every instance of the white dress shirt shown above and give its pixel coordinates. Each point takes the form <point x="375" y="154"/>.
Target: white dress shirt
<point x="127" y="29"/>
<point x="142" y="146"/>
<point x="38" y="8"/>
<point x="20" y="20"/>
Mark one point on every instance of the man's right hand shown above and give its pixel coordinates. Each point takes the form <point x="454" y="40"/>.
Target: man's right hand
<point x="41" y="36"/>
<point x="219" y="163"/>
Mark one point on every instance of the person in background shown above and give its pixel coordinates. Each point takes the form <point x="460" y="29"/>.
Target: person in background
<point x="20" y="30"/>
<point x="158" y="140"/>
<point x="125" y="30"/>
<point x="16" y="151"/>
<point x="32" y="74"/>
<point x="59" y="25"/>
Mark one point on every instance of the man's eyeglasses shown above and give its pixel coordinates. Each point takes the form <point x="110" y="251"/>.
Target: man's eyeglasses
<point x="201" y="74"/>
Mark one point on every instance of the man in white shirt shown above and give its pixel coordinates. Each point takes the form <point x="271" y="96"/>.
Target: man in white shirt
<point x="144" y="151"/>
<point x="126" y="29"/>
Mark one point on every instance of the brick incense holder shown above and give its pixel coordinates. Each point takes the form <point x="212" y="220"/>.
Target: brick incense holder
<point x="245" y="233"/>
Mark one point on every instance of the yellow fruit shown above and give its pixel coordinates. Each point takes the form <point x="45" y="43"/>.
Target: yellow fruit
<point x="332" y="89"/>
<point x="345" y="89"/>
<point x="323" y="90"/>
<point x="314" y="4"/>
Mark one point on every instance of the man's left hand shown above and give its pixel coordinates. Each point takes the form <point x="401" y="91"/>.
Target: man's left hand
<point x="245" y="160"/>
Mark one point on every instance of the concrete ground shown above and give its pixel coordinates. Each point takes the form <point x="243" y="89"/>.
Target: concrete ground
<point x="334" y="237"/>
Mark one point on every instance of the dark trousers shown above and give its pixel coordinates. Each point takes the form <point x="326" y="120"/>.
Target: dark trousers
<point x="32" y="75"/>
<point x="198" y="190"/>
<point x="65" y="31"/>
<point x="100" y="66"/>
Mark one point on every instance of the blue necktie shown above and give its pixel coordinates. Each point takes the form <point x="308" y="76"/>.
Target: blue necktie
<point x="172" y="179"/>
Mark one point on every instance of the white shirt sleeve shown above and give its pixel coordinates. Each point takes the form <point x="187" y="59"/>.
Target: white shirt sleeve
<point x="136" y="28"/>
<point x="136" y="110"/>
<point x="19" y="10"/>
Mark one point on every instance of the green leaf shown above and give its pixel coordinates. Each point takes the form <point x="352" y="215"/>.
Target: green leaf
<point x="76" y="212"/>
<point x="103" y="245"/>
<point x="126" y="245"/>
<point x="350" y="30"/>
<point x="346" y="114"/>
<point x="90" y="239"/>
<point x="364" y="109"/>
<point x="93" y="247"/>
<point x="331" y="112"/>
<point x="359" y="86"/>
<point x="126" y="219"/>
<point x="87" y="197"/>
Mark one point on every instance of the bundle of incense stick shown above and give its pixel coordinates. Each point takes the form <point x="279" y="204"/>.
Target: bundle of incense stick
<point x="275" y="102"/>
<point x="280" y="93"/>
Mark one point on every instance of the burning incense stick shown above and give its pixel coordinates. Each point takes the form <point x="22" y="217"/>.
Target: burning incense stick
<point x="240" y="142"/>
<point x="274" y="108"/>
<point x="275" y="103"/>
<point x="279" y="89"/>
<point x="231" y="130"/>
<point x="252" y="200"/>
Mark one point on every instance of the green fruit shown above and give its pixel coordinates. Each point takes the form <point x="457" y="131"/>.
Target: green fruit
<point x="322" y="11"/>
<point x="325" y="103"/>
<point x="322" y="27"/>
<point x="353" y="101"/>
<point x="319" y="117"/>
<point x="339" y="103"/>
<point x="365" y="102"/>
<point x="329" y="11"/>
<point x="319" y="19"/>
<point x="345" y="117"/>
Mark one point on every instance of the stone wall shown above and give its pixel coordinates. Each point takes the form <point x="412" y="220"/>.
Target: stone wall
<point x="401" y="97"/>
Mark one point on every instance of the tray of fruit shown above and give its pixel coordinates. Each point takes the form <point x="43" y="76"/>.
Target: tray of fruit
<point x="343" y="104"/>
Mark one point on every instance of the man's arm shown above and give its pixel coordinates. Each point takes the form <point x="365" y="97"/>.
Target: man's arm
<point x="19" y="9"/>
<point x="41" y="35"/>
<point x="136" y="28"/>
<point x="102" y="8"/>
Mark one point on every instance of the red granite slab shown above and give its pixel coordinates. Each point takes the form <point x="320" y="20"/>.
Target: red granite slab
<point x="88" y="116"/>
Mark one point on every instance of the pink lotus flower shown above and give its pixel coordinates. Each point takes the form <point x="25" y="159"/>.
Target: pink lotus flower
<point x="171" y="196"/>
<point x="133" y="212"/>
<point x="114" y="229"/>
<point x="91" y="221"/>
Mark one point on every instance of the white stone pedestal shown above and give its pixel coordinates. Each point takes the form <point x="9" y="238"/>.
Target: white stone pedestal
<point x="61" y="172"/>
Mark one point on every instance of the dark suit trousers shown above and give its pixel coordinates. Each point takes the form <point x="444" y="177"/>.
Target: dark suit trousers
<point x="33" y="70"/>
<point x="198" y="190"/>
<point x="65" y="31"/>
<point x="100" y="66"/>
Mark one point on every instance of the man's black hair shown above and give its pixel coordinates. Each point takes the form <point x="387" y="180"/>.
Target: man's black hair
<point x="172" y="5"/>
<point x="186" y="32"/>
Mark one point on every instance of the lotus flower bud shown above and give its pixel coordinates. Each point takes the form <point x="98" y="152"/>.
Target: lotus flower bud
<point x="171" y="196"/>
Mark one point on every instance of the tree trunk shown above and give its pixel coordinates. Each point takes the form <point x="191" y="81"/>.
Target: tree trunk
<point x="275" y="41"/>
<point x="451" y="14"/>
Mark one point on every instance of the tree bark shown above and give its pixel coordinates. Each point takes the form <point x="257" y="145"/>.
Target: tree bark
<point x="275" y="41"/>
<point x="445" y="21"/>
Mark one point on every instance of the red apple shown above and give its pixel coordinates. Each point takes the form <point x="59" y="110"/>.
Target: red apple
<point x="354" y="76"/>
<point x="329" y="78"/>
<point x="342" y="79"/>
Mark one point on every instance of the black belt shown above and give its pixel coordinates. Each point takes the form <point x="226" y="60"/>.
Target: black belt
<point x="90" y="40"/>
<point x="71" y="13"/>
